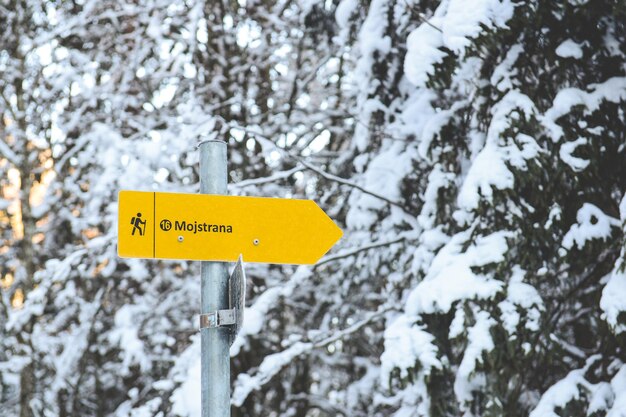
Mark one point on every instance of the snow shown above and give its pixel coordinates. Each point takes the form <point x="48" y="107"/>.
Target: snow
<point x="612" y="90"/>
<point x="382" y="177"/>
<point x="270" y="366"/>
<point x="372" y="35"/>
<point x="411" y="401"/>
<point x="66" y="362"/>
<point x="520" y="297"/>
<point x="569" y="49"/>
<point x="55" y="272"/>
<point x="154" y="29"/>
<point x="591" y="224"/>
<point x="507" y="112"/>
<point x="433" y="126"/>
<point x="7" y="152"/>
<point x="618" y="385"/>
<point x="255" y="315"/>
<point x="344" y="12"/>
<point x="149" y="409"/>
<point x="468" y="19"/>
<point x="429" y="242"/>
<point x="555" y="214"/>
<point x="419" y="118"/>
<point x="186" y="399"/>
<point x="479" y="342"/>
<point x="362" y="388"/>
<point x="519" y="157"/>
<point x="566" y="151"/>
<point x="438" y="179"/>
<point x="454" y="24"/>
<point x="373" y="45"/>
<point x="423" y="53"/>
<point x="489" y="170"/>
<point x="450" y="277"/>
<point x="126" y="336"/>
<point x="601" y="398"/>
<point x="559" y="394"/>
<point x="362" y="133"/>
<point x="575" y="386"/>
<point x="457" y="325"/>
<point x="502" y="76"/>
<point x="407" y="345"/>
<point x="163" y="385"/>
<point x="613" y="301"/>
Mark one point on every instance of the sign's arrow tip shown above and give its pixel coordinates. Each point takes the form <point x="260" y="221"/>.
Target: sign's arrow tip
<point x="329" y="232"/>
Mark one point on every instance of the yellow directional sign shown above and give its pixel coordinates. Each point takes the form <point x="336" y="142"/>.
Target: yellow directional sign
<point x="220" y="228"/>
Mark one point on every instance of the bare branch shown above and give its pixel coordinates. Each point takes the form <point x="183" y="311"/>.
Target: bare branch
<point x="267" y="141"/>
<point x="372" y="316"/>
<point x="272" y="178"/>
<point x="344" y="181"/>
<point x="352" y="252"/>
<point x="273" y="364"/>
<point x="317" y="401"/>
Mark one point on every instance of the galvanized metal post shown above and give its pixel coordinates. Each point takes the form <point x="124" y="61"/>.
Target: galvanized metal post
<point x="215" y="341"/>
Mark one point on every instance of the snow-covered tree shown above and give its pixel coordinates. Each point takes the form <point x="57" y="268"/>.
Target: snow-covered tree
<point x="88" y="110"/>
<point x="482" y="269"/>
<point x="103" y="96"/>
<point x="498" y="127"/>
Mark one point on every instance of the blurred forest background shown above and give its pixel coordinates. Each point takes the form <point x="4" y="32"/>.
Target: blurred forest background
<point x="474" y="152"/>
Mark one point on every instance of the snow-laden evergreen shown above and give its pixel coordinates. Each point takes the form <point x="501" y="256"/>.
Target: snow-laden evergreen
<point x="512" y="116"/>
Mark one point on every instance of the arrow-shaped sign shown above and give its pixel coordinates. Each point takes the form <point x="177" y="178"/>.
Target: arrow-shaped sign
<point x="220" y="228"/>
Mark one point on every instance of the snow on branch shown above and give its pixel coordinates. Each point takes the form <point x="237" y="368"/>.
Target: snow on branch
<point x="572" y="387"/>
<point x="451" y="276"/>
<point x="453" y="26"/>
<point x="591" y="223"/>
<point x="479" y="341"/>
<point x="56" y="271"/>
<point x="613" y="301"/>
<point x="256" y="313"/>
<point x="612" y="90"/>
<point x="273" y="364"/>
<point x="8" y="153"/>
<point x="407" y="344"/>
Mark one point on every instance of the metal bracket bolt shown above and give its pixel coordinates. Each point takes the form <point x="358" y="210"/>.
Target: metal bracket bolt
<point x="219" y="318"/>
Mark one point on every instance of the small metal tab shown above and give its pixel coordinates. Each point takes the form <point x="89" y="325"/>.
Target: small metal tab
<point x="233" y="317"/>
<point x="237" y="295"/>
<point x="219" y="318"/>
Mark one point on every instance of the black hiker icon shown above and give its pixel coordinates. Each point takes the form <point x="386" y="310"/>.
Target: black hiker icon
<point x="138" y="225"/>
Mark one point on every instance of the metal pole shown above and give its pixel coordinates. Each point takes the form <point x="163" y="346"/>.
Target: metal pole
<point x="214" y="342"/>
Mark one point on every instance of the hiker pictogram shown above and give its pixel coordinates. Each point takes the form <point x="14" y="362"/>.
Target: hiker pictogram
<point x="138" y="225"/>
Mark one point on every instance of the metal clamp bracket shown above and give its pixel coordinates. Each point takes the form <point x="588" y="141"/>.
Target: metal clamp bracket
<point x="219" y="318"/>
<point x="233" y="317"/>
